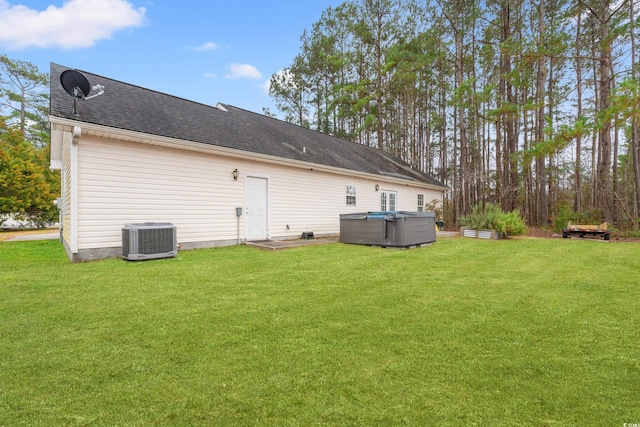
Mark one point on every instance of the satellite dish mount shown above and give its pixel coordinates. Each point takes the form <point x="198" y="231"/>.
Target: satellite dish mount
<point x="77" y="85"/>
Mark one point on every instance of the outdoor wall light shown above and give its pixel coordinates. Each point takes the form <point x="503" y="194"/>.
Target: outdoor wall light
<point x="377" y="187"/>
<point x="235" y="174"/>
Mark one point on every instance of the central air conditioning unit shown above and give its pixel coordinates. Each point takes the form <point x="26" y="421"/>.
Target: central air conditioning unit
<point x="149" y="240"/>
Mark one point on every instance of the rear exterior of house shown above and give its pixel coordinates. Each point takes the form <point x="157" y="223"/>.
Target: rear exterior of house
<point x="197" y="164"/>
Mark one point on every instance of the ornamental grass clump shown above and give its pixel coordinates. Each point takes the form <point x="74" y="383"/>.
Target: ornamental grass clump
<point x="492" y="217"/>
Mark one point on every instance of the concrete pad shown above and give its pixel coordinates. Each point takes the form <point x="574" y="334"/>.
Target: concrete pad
<point x="447" y="233"/>
<point x="41" y="236"/>
<point x="286" y="244"/>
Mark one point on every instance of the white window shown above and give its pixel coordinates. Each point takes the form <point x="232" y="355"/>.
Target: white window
<point x="388" y="201"/>
<point x="420" y="202"/>
<point x="351" y="195"/>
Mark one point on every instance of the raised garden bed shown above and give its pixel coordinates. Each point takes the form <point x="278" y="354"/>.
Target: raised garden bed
<point x="479" y="234"/>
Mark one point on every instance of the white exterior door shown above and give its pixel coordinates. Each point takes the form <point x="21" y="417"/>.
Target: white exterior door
<point x="256" y="208"/>
<point x="388" y="201"/>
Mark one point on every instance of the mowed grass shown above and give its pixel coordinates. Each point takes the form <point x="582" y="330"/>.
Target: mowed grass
<point x="542" y="332"/>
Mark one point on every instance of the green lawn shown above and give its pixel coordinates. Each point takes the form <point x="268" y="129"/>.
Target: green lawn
<point x="542" y="332"/>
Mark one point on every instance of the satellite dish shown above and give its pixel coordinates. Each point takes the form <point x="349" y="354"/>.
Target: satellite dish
<point x="77" y="85"/>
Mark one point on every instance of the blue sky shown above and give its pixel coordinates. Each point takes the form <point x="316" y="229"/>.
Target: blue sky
<point x="207" y="51"/>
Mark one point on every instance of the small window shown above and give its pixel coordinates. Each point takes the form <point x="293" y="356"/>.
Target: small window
<point x="420" y="202"/>
<point x="351" y="195"/>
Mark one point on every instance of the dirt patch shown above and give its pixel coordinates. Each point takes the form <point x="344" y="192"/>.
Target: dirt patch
<point x="549" y="234"/>
<point x="542" y="233"/>
<point x="625" y="239"/>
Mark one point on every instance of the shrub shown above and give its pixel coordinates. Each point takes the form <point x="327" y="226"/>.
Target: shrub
<point x="492" y="217"/>
<point x="514" y="223"/>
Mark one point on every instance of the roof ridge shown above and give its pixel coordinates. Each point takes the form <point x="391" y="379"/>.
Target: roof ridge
<point x="139" y="87"/>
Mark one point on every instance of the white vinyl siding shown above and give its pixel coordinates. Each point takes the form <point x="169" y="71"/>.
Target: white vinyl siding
<point x="125" y="182"/>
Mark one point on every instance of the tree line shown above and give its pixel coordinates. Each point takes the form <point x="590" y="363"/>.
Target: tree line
<point x="530" y="104"/>
<point x="27" y="186"/>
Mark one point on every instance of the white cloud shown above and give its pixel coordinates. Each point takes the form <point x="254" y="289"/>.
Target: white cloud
<point x="284" y="77"/>
<point x="239" y="71"/>
<point x="266" y="86"/>
<point x="207" y="46"/>
<point x="77" y="24"/>
<point x="210" y="75"/>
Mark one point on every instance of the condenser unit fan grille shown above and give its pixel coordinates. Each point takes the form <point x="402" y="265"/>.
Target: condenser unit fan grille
<point x="149" y="240"/>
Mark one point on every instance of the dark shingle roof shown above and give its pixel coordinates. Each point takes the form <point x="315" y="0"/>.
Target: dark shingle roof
<point x="129" y="107"/>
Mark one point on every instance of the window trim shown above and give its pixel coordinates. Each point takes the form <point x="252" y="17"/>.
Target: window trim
<point x="351" y="195"/>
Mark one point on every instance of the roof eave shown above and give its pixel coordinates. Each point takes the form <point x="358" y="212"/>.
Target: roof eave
<point x="101" y="131"/>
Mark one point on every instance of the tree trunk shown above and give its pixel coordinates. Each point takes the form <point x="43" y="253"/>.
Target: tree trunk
<point x="635" y="144"/>
<point x="510" y="169"/>
<point x="542" y="215"/>
<point x="379" y="90"/>
<point x="577" y="202"/>
<point x="442" y="134"/>
<point x="604" y="135"/>
<point x="594" y="137"/>
<point x="551" y="182"/>
<point x="465" y="207"/>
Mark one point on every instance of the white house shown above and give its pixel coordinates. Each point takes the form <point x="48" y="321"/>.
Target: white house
<point x="135" y="155"/>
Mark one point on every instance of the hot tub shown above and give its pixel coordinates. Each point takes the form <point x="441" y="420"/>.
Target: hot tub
<point x="388" y="229"/>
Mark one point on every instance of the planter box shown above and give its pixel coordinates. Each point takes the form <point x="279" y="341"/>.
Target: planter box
<point x="479" y="234"/>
